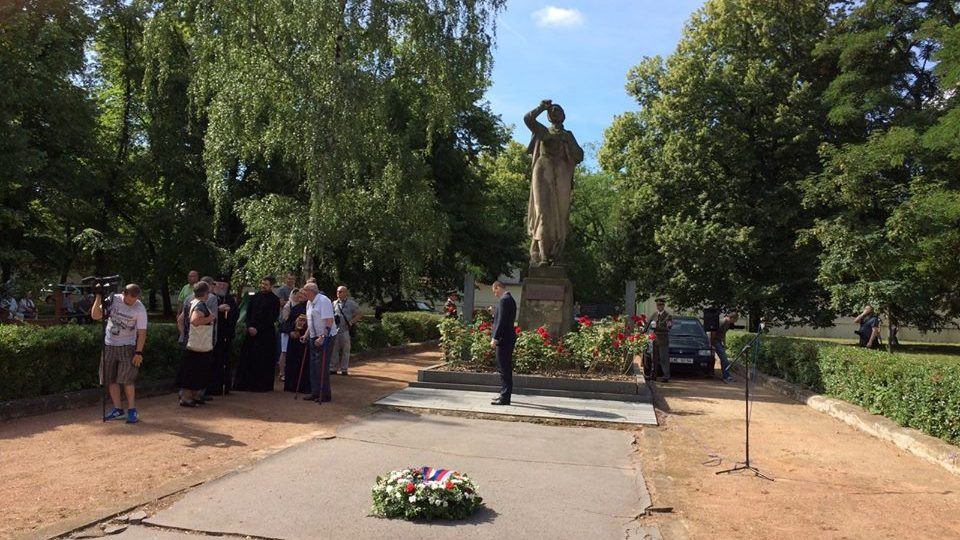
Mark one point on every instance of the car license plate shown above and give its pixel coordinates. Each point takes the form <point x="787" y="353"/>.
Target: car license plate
<point x="676" y="360"/>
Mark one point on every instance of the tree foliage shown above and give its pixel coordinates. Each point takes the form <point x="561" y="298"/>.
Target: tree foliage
<point x="351" y="97"/>
<point x="146" y="138"/>
<point x="888" y="191"/>
<point x="46" y="134"/>
<point x="710" y="164"/>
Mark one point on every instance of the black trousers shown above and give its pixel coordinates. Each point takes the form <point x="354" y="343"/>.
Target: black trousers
<point x="505" y="367"/>
<point x="220" y="376"/>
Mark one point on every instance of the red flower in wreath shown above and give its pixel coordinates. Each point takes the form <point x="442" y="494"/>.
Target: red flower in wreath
<point x="616" y="344"/>
<point x="517" y="330"/>
<point x="449" y="485"/>
<point x="621" y="337"/>
<point x="652" y="337"/>
<point x="410" y="488"/>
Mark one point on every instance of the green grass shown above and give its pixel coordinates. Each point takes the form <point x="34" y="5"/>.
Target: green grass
<point x="941" y="352"/>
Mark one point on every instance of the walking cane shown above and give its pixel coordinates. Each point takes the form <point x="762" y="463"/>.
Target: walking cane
<point x="103" y="384"/>
<point x="303" y="361"/>
<point x="324" y="366"/>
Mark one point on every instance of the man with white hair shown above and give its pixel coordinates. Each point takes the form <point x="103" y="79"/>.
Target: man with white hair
<point x="321" y="329"/>
<point x="346" y="313"/>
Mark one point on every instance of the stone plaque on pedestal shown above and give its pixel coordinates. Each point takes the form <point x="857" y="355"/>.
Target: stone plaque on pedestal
<point x="547" y="300"/>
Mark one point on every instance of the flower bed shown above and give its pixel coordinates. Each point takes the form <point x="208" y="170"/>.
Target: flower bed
<point x="596" y="347"/>
<point x="425" y="493"/>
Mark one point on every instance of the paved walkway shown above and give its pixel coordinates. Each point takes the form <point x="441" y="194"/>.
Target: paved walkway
<point x="593" y="410"/>
<point x="537" y="482"/>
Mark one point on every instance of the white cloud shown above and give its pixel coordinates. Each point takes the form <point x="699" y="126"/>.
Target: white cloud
<point x="555" y="16"/>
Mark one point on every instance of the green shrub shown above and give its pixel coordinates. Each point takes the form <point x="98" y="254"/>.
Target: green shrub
<point x="395" y="329"/>
<point x="912" y="390"/>
<point x="416" y="326"/>
<point x="35" y="361"/>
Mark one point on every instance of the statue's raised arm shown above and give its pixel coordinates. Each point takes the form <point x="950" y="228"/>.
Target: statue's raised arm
<point x="555" y="156"/>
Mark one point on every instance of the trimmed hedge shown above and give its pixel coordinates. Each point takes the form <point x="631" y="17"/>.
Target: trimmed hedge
<point x="36" y="361"/>
<point x="416" y="326"/>
<point x="912" y="390"/>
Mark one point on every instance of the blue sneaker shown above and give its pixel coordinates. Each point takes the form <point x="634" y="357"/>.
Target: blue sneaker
<point x="114" y="414"/>
<point x="132" y="416"/>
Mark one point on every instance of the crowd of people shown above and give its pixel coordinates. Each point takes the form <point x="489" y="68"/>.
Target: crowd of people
<point x="13" y="309"/>
<point x="296" y="332"/>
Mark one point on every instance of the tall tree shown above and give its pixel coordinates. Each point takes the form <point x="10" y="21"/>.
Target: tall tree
<point x="46" y="130"/>
<point x="710" y="165"/>
<point x="888" y="191"/>
<point x="348" y="96"/>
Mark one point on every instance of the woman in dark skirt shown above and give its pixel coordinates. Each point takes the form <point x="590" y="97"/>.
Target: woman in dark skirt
<point x="197" y="360"/>
<point x="296" y="325"/>
<point x="258" y="355"/>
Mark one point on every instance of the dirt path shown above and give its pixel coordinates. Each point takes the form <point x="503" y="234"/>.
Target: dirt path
<point x="831" y="481"/>
<point x="70" y="466"/>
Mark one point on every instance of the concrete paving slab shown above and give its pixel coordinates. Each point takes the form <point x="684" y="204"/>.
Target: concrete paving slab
<point x="537" y="482"/>
<point x="593" y="410"/>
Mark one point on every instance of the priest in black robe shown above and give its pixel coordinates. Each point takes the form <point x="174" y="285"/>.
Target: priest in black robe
<point x="255" y="370"/>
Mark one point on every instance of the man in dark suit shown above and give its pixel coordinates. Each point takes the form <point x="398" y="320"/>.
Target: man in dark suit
<point x="503" y="339"/>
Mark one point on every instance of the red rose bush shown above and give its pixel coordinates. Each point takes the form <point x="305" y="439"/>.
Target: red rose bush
<point x="595" y="346"/>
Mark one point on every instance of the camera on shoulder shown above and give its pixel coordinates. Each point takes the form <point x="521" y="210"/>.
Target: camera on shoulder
<point x="102" y="285"/>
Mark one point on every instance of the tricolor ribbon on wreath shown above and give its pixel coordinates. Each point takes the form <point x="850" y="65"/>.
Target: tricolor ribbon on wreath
<point x="437" y="475"/>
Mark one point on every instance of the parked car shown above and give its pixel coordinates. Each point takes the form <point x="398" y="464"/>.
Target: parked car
<point x="402" y="305"/>
<point x="47" y="292"/>
<point x="689" y="347"/>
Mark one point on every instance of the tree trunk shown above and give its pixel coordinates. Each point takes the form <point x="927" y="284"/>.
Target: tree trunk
<point x="152" y="302"/>
<point x="307" y="270"/>
<point x="165" y="296"/>
<point x="893" y="325"/>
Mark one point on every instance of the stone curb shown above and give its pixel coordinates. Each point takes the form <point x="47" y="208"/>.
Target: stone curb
<point x="635" y="390"/>
<point x="912" y="440"/>
<point x="20" y="408"/>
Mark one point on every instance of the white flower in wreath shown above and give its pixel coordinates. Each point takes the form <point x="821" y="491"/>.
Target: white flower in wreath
<point x="413" y="498"/>
<point x="445" y="504"/>
<point x="389" y="489"/>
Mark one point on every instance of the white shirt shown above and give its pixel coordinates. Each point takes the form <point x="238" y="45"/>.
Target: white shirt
<point x="318" y="309"/>
<point x="124" y="321"/>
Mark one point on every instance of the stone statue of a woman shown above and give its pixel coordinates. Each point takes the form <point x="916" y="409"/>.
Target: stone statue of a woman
<point x="555" y="155"/>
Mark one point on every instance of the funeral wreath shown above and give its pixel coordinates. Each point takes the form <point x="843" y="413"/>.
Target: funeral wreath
<point x="425" y="493"/>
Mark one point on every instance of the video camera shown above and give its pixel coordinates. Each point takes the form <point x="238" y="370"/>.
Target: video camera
<point x="102" y="284"/>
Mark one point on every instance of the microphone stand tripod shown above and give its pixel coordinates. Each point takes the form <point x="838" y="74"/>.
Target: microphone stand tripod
<point x="745" y="465"/>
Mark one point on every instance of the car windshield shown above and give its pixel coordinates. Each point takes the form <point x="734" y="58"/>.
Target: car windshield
<point x="686" y="327"/>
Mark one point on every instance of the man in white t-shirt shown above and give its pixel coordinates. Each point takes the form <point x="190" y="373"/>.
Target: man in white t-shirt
<point x="123" y="347"/>
<point x="320" y="329"/>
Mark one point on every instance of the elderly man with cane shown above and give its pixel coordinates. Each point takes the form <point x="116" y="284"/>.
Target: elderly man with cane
<point x="321" y="329"/>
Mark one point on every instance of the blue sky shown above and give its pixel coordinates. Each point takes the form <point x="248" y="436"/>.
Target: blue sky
<point x="577" y="53"/>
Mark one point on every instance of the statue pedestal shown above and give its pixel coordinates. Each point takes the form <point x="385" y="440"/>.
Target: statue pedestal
<point x="546" y="299"/>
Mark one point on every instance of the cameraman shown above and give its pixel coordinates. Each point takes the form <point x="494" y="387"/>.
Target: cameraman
<point x="718" y="340"/>
<point x="869" y="330"/>
<point x="123" y="346"/>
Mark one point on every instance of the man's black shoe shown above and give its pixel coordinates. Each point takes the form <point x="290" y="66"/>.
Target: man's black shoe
<point x="311" y="398"/>
<point x="499" y="401"/>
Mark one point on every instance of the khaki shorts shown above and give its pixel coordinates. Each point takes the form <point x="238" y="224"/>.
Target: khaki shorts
<point x="116" y="366"/>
